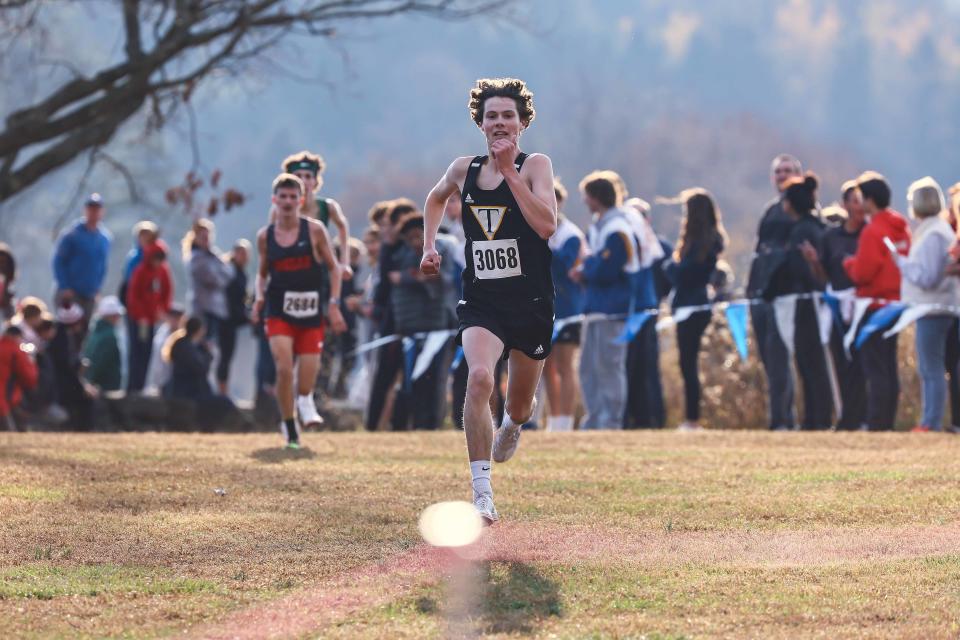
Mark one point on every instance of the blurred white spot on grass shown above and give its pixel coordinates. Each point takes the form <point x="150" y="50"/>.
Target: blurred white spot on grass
<point x="450" y="524"/>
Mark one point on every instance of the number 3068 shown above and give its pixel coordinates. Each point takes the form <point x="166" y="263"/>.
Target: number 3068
<point x="501" y="258"/>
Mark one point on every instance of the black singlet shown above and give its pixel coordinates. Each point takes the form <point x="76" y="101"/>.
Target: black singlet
<point x="505" y="258"/>
<point x="297" y="289"/>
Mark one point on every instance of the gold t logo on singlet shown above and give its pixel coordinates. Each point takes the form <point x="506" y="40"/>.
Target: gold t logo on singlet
<point x="489" y="218"/>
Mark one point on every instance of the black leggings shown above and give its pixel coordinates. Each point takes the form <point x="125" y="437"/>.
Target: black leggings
<point x="952" y="360"/>
<point x="879" y="358"/>
<point x="812" y="368"/>
<point x="689" y="335"/>
<point x="227" y="343"/>
<point x="645" y="408"/>
<point x="389" y="364"/>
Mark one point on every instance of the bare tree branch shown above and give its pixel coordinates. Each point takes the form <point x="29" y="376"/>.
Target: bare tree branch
<point x="131" y="23"/>
<point x="192" y="40"/>
<point x="119" y="167"/>
<point x="71" y="206"/>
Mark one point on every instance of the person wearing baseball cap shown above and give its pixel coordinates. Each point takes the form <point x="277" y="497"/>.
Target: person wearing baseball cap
<point x="80" y="258"/>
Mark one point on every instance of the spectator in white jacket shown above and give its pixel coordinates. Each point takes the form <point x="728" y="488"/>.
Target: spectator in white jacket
<point x="159" y="372"/>
<point x="926" y="283"/>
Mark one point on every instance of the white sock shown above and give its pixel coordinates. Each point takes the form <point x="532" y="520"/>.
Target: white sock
<point x="561" y="423"/>
<point x="507" y="421"/>
<point x="480" y="470"/>
<point x="305" y="398"/>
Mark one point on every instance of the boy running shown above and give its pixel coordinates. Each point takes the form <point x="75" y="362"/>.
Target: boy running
<point x="509" y="212"/>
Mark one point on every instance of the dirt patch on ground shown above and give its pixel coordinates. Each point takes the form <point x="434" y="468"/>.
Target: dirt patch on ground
<point x="532" y="543"/>
<point x="314" y="608"/>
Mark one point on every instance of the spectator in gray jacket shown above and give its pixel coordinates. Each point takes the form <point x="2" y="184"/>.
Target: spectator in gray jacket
<point x="209" y="277"/>
<point x="421" y="304"/>
<point x="924" y="282"/>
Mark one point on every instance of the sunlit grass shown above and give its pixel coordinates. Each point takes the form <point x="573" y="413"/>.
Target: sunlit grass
<point x="655" y="534"/>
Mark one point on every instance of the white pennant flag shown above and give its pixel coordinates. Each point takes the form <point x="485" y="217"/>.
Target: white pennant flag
<point x="665" y="323"/>
<point x="379" y="342"/>
<point x="431" y="346"/>
<point x="825" y="318"/>
<point x="683" y="314"/>
<point x="785" y="313"/>
<point x="859" y="308"/>
<point x="910" y="315"/>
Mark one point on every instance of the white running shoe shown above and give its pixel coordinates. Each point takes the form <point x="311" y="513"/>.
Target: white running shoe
<point x="506" y="439"/>
<point x="689" y="426"/>
<point x="309" y="417"/>
<point x="483" y="503"/>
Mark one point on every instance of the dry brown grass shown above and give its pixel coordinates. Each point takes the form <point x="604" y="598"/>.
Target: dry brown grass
<point x="732" y="534"/>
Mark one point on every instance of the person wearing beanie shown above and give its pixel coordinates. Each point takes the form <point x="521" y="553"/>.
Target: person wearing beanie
<point x="101" y="354"/>
<point x="73" y="392"/>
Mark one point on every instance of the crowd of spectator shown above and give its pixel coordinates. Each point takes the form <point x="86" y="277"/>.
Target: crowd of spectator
<point x="76" y="360"/>
<point x="65" y="365"/>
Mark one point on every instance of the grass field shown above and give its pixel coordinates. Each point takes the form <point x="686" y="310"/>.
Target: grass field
<point x="657" y="535"/>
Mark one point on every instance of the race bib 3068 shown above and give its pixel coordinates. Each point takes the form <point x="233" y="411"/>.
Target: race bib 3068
<point x="496" y="259"/>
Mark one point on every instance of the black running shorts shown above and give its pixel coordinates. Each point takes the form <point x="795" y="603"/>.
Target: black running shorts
<point x="526" y="327"/>
<point x="569" y="334"/>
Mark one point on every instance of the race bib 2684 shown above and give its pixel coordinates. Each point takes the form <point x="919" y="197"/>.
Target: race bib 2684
<point x="301" y="304"/>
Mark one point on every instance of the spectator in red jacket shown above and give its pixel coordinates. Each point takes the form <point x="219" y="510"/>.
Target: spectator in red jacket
<point x="18" y="373"/>
<point x="876" y="275"/>
<point x="149" y="295"/>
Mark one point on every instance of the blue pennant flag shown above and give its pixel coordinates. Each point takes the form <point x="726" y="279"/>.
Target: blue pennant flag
<point x="834" y="303"/>
<point x="882" y="319"/>
<point x="633" y="325"/>
<point x="457" y="359"/>
<point x="737" y="321"/>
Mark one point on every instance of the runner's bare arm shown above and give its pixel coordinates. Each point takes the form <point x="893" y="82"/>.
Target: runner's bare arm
<point x="537" y="200"/>
<point x="323" y="252"/>
<point x="343" y="236"/>
<point x="263" y="270"/>
<point x="450" y="184"/>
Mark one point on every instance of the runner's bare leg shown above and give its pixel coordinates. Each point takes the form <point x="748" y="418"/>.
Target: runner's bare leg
<point x="523" y="376"/>
<point x="308" y="364"/>
<point x="282" y="349"/>
<point x="481" y="349"/>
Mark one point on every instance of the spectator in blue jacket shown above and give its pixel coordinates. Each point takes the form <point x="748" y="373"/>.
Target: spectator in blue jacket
<point x="702" y="239"/>
<point x="568" y="245"/>
<point x="80" y="259"/>
<point x="607" y="274"/>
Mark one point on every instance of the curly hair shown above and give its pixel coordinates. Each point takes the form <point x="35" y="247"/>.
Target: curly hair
<point x="289" y="164"/>
<point x="502" y="88"/>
